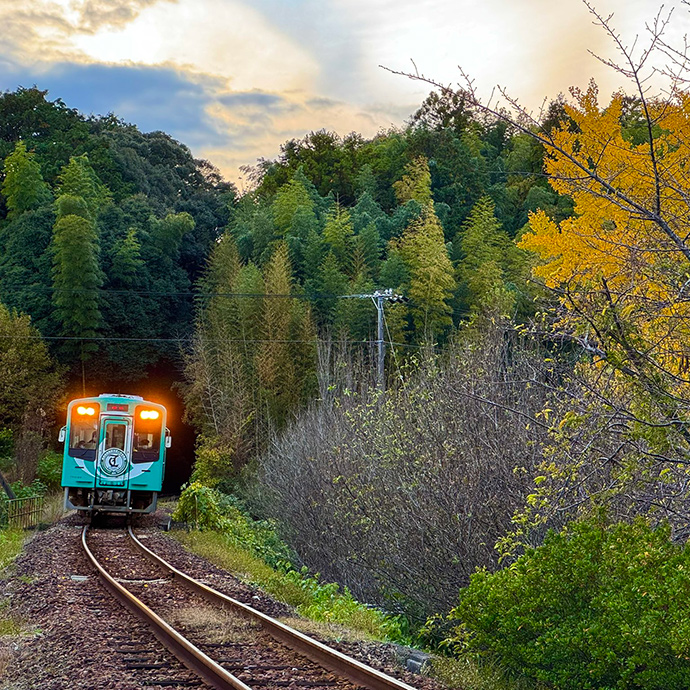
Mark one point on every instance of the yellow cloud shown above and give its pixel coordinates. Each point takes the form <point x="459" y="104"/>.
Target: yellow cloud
<point x="221" y="37"/>
<point x="257" y="123"/>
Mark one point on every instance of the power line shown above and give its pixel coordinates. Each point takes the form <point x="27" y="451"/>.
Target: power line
<point x="192" y="339"/>
<point x="256" y="295"/>
<point x="241" y="295"/>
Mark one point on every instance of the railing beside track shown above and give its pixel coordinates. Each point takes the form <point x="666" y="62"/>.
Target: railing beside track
<point x="24" y="512"/>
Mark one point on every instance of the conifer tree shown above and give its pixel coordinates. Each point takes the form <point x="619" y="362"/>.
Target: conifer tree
<point x="485" y="248"/>
<point x="275" y="366"/>
<point x="338" y="233"/>
<point x="77" y="275"/>
<point x="304" y="223"/>
<point x="126" y="260"/>
<point x="415" y="183"/>
<point x="220" y="380"/>
<point x="289" y="198"/>
<point x="314" y="251"/>
<point x="368" y="242"/>
<point x="365" y="182"/>
<point x="431" y="282"/>
<point x="78" y="179"/>
<point x="23" y="186"/>
<point x="332" y="283"/>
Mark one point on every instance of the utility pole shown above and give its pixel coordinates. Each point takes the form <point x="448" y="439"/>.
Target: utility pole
<point x="378" y="298"/>
<point x="381" y="343"/>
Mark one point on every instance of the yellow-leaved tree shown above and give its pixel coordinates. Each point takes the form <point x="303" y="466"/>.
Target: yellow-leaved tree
<point x="621" y="264"/>
<point x="619" y="270"/>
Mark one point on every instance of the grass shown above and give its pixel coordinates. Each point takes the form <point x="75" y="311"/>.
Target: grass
<point x="216" y="625"/>
<point x="469" y="674"/>
<point x="53" y="508"/>
<point x="324" y="603"/>
<point x="11" y="541"/>
<point x="329" y="615"/>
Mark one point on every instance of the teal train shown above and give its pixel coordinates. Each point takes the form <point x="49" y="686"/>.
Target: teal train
<point x="114" y="458"/>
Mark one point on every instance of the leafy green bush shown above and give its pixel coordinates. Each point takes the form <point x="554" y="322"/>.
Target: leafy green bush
<point x="6" y="443"/>
<point x="199" y="505"/>
<point x="49" y="470"/>
<point x="595" y="606"/>
<point x="213" y="462"/>
<point x="36" y="488"/>
<point x="258" y="536"/>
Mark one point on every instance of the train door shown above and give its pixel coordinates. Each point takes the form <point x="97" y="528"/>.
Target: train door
<point x="112" y="463"/>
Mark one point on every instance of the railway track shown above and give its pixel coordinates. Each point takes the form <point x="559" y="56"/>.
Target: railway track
<point x="225" y="643"/>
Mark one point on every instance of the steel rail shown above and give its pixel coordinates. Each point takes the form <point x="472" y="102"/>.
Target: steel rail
<point x="328" y="658"/>
<point x="190" y="655"/>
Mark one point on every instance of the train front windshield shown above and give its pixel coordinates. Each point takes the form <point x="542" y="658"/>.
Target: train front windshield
<point x="148" y="426"/>
<point x="83" y="436"/>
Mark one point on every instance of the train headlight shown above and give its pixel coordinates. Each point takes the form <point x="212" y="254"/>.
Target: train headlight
<point x="149" y="414"/>
<point x="89" y="411"/>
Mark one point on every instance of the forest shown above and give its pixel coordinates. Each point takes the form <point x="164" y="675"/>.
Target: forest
<point x="516" y="490"/>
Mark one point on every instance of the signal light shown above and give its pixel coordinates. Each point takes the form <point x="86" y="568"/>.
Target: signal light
<point x="149" y="414"/>
<point x="86" y="411"/>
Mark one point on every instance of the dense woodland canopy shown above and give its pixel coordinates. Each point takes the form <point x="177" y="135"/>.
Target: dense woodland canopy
<point x="120" y="246"/>
<point x="104" y="232"/>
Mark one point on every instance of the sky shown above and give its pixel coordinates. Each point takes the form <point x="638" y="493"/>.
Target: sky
<point x="234" y="79"/>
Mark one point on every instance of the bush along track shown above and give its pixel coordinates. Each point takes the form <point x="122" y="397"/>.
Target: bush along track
<point x="230" y="538"/>
<point x="598" y="605"/>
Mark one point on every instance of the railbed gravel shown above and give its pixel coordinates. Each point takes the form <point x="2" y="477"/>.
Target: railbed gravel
<point x="76" y="636"/>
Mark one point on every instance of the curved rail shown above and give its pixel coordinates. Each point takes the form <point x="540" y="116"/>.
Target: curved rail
<point x="191" y="656"/>
<point x="331" y="659"/>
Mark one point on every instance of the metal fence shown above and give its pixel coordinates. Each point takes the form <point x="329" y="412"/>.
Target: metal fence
<point x="24" y="512"/>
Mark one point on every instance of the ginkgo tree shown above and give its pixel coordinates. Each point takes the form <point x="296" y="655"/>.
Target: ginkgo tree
<point x="619" y="267"/>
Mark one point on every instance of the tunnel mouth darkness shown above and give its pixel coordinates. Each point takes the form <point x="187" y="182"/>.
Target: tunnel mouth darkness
<point x="159" y="386"/>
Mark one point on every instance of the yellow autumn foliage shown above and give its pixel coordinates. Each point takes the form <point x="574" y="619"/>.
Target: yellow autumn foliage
<point x="622" y="262"/>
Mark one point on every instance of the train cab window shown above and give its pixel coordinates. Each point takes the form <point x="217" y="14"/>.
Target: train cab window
<point x="115" y="435"/>
<point x="83" y="436"/>
<point x="148" y="424"/>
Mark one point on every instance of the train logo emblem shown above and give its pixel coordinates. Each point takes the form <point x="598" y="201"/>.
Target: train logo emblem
<point x="113" y="462"/>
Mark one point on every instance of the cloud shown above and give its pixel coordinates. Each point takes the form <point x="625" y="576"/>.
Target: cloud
<point x="234" y="79"/>
<point x="221" y="37"/>
<point x="153" y="98"/>
<point x="97" y="14"/>
<point x="230" y="128"/>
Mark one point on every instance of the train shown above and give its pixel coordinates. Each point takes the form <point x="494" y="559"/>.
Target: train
<point x="114" y="454"/>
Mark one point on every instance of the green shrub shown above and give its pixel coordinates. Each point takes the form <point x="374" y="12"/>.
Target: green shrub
<point x="6" y="445"/>
<point x="49" y="470"/>
<point x="258" y="536"/>
<point x="199" y="505"/>
<point x="213" y="461"/>
<point x="36" y="488"/>
<point x="595" y="606"/>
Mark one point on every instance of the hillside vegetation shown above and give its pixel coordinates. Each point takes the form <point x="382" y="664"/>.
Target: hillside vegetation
<point x="529" y="449"/>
